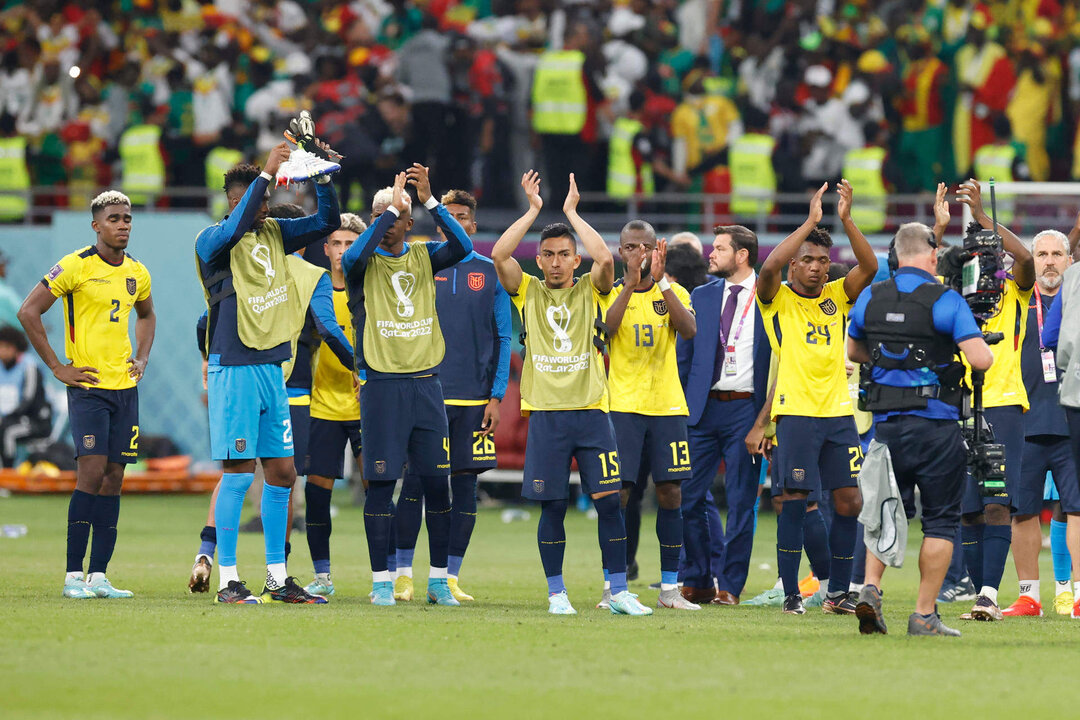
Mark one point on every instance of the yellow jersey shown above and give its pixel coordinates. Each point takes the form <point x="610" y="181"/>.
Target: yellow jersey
<point x="1004" y="384"/>
<point x="812" y="377"/>
<point x="643" y="376"/>
<point x="333" y="396"/>
<point x="98" y="297"/>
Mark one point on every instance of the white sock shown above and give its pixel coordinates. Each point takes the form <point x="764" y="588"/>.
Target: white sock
<point x="823" y="590"/>
<point x="94" y="577"/>
<point x="990" y="593"/>
<point x="405" y="571"/>
<point x="275" y="575"/>
<point x="381" y="576"/>
<point x="437" y="573"/>
<point x="664" y="587"/>
<point x="1076" y="589"/>
<point x="779" y="584"/>
<point x="448" y="575"/>
<point x="73" y="576"/>
<point x="607" y="585"/>
<point x="226" y="575"/>
<point x="1031" y="589"/>
<point x="208" y="558"/>
<point x="855" y="587"/>
<point x="1060" y="587"/>
<point x="323" y="578"/>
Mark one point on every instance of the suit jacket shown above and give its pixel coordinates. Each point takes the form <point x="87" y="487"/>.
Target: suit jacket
<point x="697" y="356"/>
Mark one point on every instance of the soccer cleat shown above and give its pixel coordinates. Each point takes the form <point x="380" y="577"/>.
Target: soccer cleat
<point x="1076" y="610"/>
<point x="403" y="588"/>
<point x="809" y="585"/>
<point x="438" y="593"/>
<point x="382" y="593"/>
<point x="1063" y="603"/>
<point x="200" y="576"/>
<point x="626" y="603"/>
<point x="1023" y="607"/>
<point x="773" y="597"/>
<point x="236" y="593"/>
<point x="793" y="605"/>
<point x="673" y="600"/>
<point x="302" y="166"/>
<point x="291" y="593"/>
<point x="102" y="588"/>
<point x="455" y="590"/>
<point x="605" y="600"/>
<point x="868" y="610"/>
<point x="559" y="604"/>
<point x="985" y="610"/>
<point x="322" y="586"/>
<point x="919" y="625"/>
<point x="77" y="589"/>
<point x="839" y="604"/>
<point x="960" y="592"/>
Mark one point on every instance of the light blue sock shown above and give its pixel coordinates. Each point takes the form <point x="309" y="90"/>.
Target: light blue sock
<point x="556" y="584"/>
<point x="405" y="556"/>
<point x="275" y="520"/>
<point x="618" y="582"/>
<point x="1059" y="552"/>
<point x="230" y="503"/>
<point x="453" y="566"/>
<point x="669" y="578"/>
<point x="607" y="575"/>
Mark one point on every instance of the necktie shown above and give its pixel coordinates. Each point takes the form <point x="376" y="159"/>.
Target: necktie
<point x="727" y="318"/>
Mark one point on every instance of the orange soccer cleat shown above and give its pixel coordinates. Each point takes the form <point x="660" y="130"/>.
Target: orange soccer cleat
<point x="1024" y="607"/>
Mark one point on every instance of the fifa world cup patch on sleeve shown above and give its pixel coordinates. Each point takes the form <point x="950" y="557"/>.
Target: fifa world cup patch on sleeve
<point x="55" y="271"/>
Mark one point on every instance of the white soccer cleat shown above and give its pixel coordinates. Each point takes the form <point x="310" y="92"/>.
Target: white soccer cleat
<point x="303" y="166"/>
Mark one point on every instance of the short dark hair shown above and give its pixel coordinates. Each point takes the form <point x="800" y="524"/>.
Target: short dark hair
<point x="557" y="230"/>
<point x="687" y="266"/>
<point x="243" y="174"/>
<point x="289" y="211"/>
<point x="639" y="225"/>
<point x="12" y="336"/>
<point x="742" y="238"/>
<point x="838" y="271"/>
<point x="459" y="197"/>
<point x="820" y="236"/>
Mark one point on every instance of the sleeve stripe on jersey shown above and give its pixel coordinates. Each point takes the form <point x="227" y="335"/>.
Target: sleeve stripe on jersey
<point x="776" y="329"/>
<point x="1016" y="329"/>
<point x="70" y="299"/>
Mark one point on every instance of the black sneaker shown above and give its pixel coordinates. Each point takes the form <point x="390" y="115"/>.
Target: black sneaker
<point x="632" y="572"/>
<point x="868" y="610"/>
<point x="236" y="593"/>
<point x="922" y="625"/>
<point x="842" y="603"/>
<point x="793" y="605"/>
<point x="291" y="592"/>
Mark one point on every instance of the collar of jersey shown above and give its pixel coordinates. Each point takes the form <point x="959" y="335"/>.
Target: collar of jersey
<point x="404" y="249"/>
<point x="918" y="272"/>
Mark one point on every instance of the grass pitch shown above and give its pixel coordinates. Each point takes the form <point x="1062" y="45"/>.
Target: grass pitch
<point x="167" y="654"/>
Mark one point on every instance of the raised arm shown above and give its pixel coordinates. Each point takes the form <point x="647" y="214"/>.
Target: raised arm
<point x="298" y="233"/>
<point x="631" y="279"/>
<point x="863" y="273"/>
<point x="36" y="304"/>
<point x="768" y="283"/>
<point x="503" y="253"/>
<point x="970" y="194"/>
<point x="941" y="214"/>
<point x="364" y="247"/>
<point x="458" y="244"/>
<point x="145" y="327"/>
<point x="682" y="319"/>
<point x="326" y="324"/>
<point x="603" y="269"/>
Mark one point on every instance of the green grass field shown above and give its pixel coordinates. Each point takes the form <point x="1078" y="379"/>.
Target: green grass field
<point x="167" y="654"/>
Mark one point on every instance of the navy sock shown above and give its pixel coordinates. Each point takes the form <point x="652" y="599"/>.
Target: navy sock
<point x="612" y="536"/>
<point x="80" y="516"/>
<point x="437" y="516"/>
<point x="407" y="518"/>
<point x="391" y="556"/>
<point x="858" y="570"/>
<point x="842" y="544"/>
<point x="288" y="550"/>
<point x="971" y="536"/>
<point x="462" y="519"/>
<point x="789" y="543"/>
<point x="996" y="542"/>
<point x="551" y="539"/>
<point x="378" y="515"/>
<point x="669" y="531"/>
<point x="208" y="536"/>
<point x="104" y="516"/>
<point x="1059" y="552"/>
<point x="319" y="525"/>
<point x="632" y="521"/>
<point x="816" y="544"/>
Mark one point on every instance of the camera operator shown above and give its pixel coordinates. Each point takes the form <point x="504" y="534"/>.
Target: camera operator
<point x="908" y="328"/>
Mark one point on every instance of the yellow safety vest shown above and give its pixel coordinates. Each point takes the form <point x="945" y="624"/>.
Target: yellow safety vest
<point x="14" y="175"/>
<point x="753" y="180"/>
<point x="622" y="175"/>
<point x="142" y="163"/>
<point x="219" y="161"/>
<point x="559" y="100"/>
<point x="996" y="161"/>
<point x="862" y="168"/>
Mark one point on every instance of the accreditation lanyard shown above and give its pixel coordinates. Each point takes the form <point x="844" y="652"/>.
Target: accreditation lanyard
<point x="730" y="346"/>
<point x="1049" y="365"/>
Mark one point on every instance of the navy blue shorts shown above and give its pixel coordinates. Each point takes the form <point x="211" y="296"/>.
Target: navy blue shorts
<point x="816" y="453"/>
<point x="1044" y="453"/>
<point x="470" y="451"/>
<point x="652" y="443"/>
<point x="105" y="422"/>
<point x="556" y="437"/>
<point x="404" y="420"/>
<point x="1008" y="425"/>
<point x="300" y="415"/>
<point x="326" y="449"/>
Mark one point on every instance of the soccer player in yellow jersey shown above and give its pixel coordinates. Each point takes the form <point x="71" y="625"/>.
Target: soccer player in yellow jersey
<point x="100" y="285"/>
<point x="817" y="443"/>
<point x="648" y="408"/>
<point x="985" y="528"/>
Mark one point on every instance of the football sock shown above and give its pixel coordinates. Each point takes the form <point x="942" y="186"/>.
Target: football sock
<point x="789" y="543"/>
<point x="632" y="521"/>
<point x="607" y="580"/>
<point x="462" y="519"/>
<point x="858" y="569"/>
<point x="842" y="544"/>
<point x="816" y="544"/>
<point x="551" y="539"/>
<point x="1031" y="589"/>
<point x="319" y="525"/>
<point x="1059" y="552"/>
<point x="436" y="573"/>
<point x="378" y="515"/>
<point x="288" y="550"/>
<point x="230" y="503"/>
<point x="80" y="516"/>
<point x="275" y="522"/>
<point x="1076" y="589"/>
<point x="226" y="574"/>
<point x="404" y="558"/>
<point x="996" y="542"/>
<point x="612" y="536"/>
<point x="437" y="516"/>
<point x="105" y="514"/>
<point x="391" y="555"/>
<point x="407" y="519"/>
<point x="1061" y="587"/>
<point x="971" y="536"/>
<point x="669" y="532"/>
<point x="208" y="544"/>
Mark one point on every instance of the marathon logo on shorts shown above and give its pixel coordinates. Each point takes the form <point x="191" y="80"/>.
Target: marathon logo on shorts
<point x="828" y="307"/>
<point x="130" y="283"/>
<point x="538" y="486"/>
<point x="380" y="467"/>
<point x="241" y="445"/>
<point x="476" y="281"/>
<point x="89" y="441"/>
<point x="798" y="475"/>
<point x="659" y="307"/>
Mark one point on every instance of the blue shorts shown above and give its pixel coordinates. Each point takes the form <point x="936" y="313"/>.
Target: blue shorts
<point x="1008" y="425"/>
<point x="470" y="451"/>
<point x="556" y="437"/>
<point x="404" y="420"/>
<point x="326" y="449"/>
<point x="817" y="453"/>
<point x="105" y="422"/>
<point x="249" y="412"/>
<point x="652" y="443"/>
<point x="300" y="415"/>
<point x="1043" y="454"/>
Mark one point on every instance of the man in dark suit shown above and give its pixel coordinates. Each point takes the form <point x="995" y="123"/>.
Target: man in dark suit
<point x="724" y="371"/>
